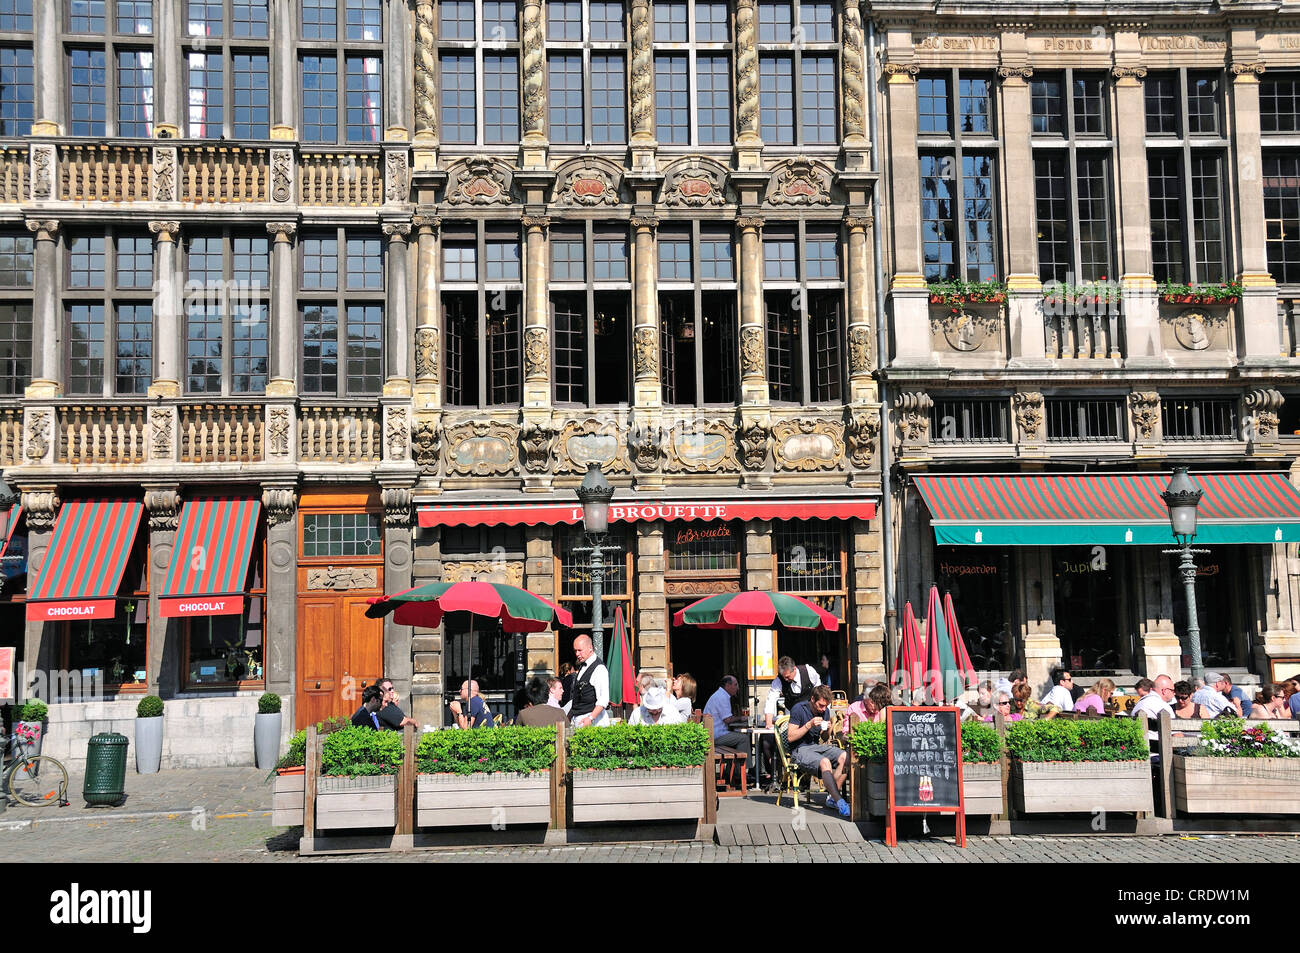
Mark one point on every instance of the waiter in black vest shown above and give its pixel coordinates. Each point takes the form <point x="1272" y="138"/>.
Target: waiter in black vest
<point x="589" y="704"/>
<point x="793" y="682"/>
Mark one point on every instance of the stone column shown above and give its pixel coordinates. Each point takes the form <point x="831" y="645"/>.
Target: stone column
<point x="168" y="73"/>
<point x="911" y="309"/>
<point x="428" y="350"/>
<point x="47" y="364"/>
<point x="1261" y="341"/>
<point x="856" y="145"/>
<point x="749" y="142"/>
<point x="280" y="609"/>
<point x="399" y="525"/>
<point x="284" y="60"/>
<point x="40" y="506"/>
<point x="426" y="644"/>
<point x="426" y="72"/>
<point x="534" y="83"/>
<point x="753" y="339"/>
<point x="284" y="313"/>
<point x="1024" y="290"/>
<point x="537" y="314"/>
<point x="642" y="91"/>
<point x="1141" y="305"/>
<point x="1038" y="599"/>
<point x="167" y="312"/>
<point x="397" y="323"/>
<point x="49" y="70"/>
<point x="396" y="53"/>
<point x="866" y="618"/>
<point x="651" y="603"/>
<point x="539" y="577"/>
<point x="162" y="502"/>
<point x="1160" y="650"/>
<point x="645" y="304"/>
<point x="862" y="388"/>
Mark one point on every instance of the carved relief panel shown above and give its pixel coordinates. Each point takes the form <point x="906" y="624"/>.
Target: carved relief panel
<point x="483" y="448"/>
<point x="807" y="444"/>
<point x="591" y="441"/>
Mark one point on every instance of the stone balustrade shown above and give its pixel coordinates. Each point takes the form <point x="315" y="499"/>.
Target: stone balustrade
<point x="99" y="434"/>
<point x="1082" y="336"/>
<point x="15" y="183"/>
<point x="222" y="174"/>
<point x="96" y="172"/>
<point x="11" y="436"/>
<point x="220" y="433"/>
<point x="334" y="178"/>
<point x="334" y="434"/>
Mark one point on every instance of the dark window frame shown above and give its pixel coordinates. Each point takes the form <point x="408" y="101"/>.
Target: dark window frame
<point x="343" y="297"/>
<point x="671" y="292"/>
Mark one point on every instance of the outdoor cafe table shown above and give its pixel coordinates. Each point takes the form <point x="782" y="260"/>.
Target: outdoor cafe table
<point x="756" y="736"/>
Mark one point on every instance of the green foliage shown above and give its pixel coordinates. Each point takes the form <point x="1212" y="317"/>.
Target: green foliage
<point x="331" y="725"/>
<point x="296" y="756"/>
<point x="151" y="706"/>
<point x="1067" y="739"/>
<point x="1224" y="292"/>
<point x="31" y="711"/>
<point x="1234" y="738"/>
<point x="357" y="752"/>
<point x="961" y="292"/>
<point x="980" y="743"/>
<point x="269" y="704"/>
<point x="639" y="746"/>
<point x="1090" y="292"/>
<point x="505" y="750"/>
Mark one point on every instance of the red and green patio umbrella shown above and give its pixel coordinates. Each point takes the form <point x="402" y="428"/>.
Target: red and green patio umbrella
<point x="942" y="676"/>
<point x="518" y="609"/>
<point x="911" y="653"/>
<point x="756" y="610"/>
<point x="959" y="651"/>
<point x="622" y="683"/>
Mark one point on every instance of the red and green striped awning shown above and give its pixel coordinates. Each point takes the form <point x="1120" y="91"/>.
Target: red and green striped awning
<point x="15" y="513"/>
<point x="209" y="570"/>
<point x="1106" y="509"/>
<point x="83" y="567"/>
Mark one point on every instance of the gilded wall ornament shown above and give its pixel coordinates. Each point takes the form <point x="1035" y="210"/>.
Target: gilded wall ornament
<point x="589" y="183"/>
<point x="1247" y="69"/>
<point x="278" y="426"/>
<point x="645" y="352"/>
<point x="799" y="182"/>
<point x="751" y="351"/>
<point x="859" y="350"/>
<point x="808" y="444"/>
<point x="164" y="506"/>
<point x="37" y="442"/>
<point x="160" y="423"/>
<point x="483" y="448"/>
<point x="753" y="438"/>
<point x="1029" y="415"/>
<point x="645" y="442"/>
<point x="43" y="158"/>
<point x="397" y="432"/>
<point x="426" y="353"/>
<point x="702" y="446"/>
<point x="591" y="441"/>
<point x="902" y="69"/>
<point x="1016" y="72"/>
<point x="281" y="175"/>
<point x="536" y="438"/>
<point x="478" y="180"/>
<point x="694" y="182"/>
<point x="428" y="445"/>
<point x="1145" y="409"/>
<point x="861" y="434"/>
<point x="536" y="354"/>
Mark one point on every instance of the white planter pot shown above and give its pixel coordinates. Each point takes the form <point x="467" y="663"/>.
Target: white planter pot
<point x="266" y="740"/>
<point x="148" y="745"/>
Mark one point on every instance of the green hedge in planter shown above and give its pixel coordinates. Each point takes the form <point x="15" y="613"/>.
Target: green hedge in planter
<point x="980" y="743"/>
<point x="639" y="746"/>
<point x="1234" y="738"/>
<point x="359" y="752"/>
<point x="1067" y="739"/>
<point x="269" y="704"/>
<point x="296" y="756"/>
<point x="512" y="750"/>
<point x="151" y="706"/>
<point x="31" y="711"/>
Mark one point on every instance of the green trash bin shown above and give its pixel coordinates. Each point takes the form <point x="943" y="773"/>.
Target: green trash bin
<point x="105" y="768"/>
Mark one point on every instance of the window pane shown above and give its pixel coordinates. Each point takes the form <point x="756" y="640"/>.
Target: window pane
<point x="564" y="20"/>
<point x="134" y="261"/>
<point x="87" y="16"/>
<point x="978" y="211"/>
<point x="320" y="19"/>
<point x="17" y="92"/>
<point x="1094" y="217"/>
<point x="1161" y="90"/>
<point x="251" y="260"/>
<point x="134" y="348"/>
<point x="365" y="358"/>
<point x="320" y="99"/>
<point x="86" y="261"/>
<point x="1089" y="105"/>
<point x="365" y="264"/>
<point x="671" y="19"/>
<point x="320" y="264"/>
<point x="818" y="22"/>
<point x="1282" y="215"/>
<point x="1202" y="104"/>
<point x="713" y="99"/>
<point x="1048" y="104"/>
<point x="710" y="22"/>
<point x="1051" y="188"/>
<point x="458" y="263"/>
<point x="206" y="95"/>
<point x="1207" y="216"/>
<point x="203" y="261"/>
<point x="203" y="18"/>
<point x="1279" y="102"/>
<point x="365" y="20"/>
<point x="608" y="98"/>
<point x="933" y="109"/>
<point x="135" y="93"/>
<point x="500" y="99"/>
<point x="16" y="261"/>
<point x="15" y="348"/>
<point x="365" y="107"/>
<point x="567" y="257"/>
<point x="674" y="259"/>
<point x="938" y="227"/>
<point x="611" y="259"/>
<point x="1166" y="197"/>
<point x="606" y="21"/>
<point x="779" y="263"/>
<point x="776" y="99"/>
<point x="456" y="19"/>
<point x="134" y="16"/>
<point x="16" y="15"/>
<point x="341" y="534"/>
<point x="570" y="323"/>
<point x="248" y="351"/>
<point x="716" y="258"/>
<point x="252" y="115"/>
<point x="320" y="348"/>
<point x="821" y="256"/>
<point x="565" y="100"/>
<point x="458" y="116"/>
<point x="783" y="358"/>
<point x="248" y="19"/>
<point x="87" y="96"/>
<point x="818" y="100"/>
<point x="503" y="351"/>
<point x="775" y="22"/>
<point x="824" y="321"/>
<point x="86" y="349"/>
<point x="500" y="20"/>
<point x="203" y="322"/>
<point x="976" y="105"/>
<point x="672" y="103"/>
<point x="503" y="261"/>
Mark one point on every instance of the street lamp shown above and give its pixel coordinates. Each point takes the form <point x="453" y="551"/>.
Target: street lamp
<point x="594" y="494"/>
<point x="1181" y="497"/>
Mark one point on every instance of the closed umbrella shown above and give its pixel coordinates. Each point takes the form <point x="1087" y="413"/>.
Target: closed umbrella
<point x="911" y="655"/>
<point x="942" y="677"/>
<point x="959" y="651"/>
<point x="622" y="685"/>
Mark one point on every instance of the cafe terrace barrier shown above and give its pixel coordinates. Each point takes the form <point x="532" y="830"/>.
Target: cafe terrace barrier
<point x="409" y="811"/>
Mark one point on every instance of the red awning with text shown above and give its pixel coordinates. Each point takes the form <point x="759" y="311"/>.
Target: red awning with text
<point x="209" y="569"/>
<point x="554" y="514"/>
<point x="83" y="567"/>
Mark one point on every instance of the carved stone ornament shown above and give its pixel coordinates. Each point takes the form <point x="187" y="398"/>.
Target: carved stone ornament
<point x="591" y="441"/>
<point x="645" y="441"/>
<point x="536" y="354"/>
<point x="800" y="182"/>
<point x="589" y="183"/>
<point x="694" y="182"/>
<point x="164" y="506"/>
<point x="1145" y="409"/>
<point x="1017" y="72"/>
<point x="966" y="330"/>
<point x="645" y="352"/>
<point x="342" y="578"/>
<point x="1029" y="415"/>
<point x="426" y="353"/>
<point x="751" y="351"/>
<point x="164" y="175"/>
<point x="746" y="70"/>
<point x="430" y="222"/>
<point x="166" y="231"/>
<point x="280" y="503"/>
<point x="863" y="222"/>
<point x="534" y="76"/>
<point x="647" y="222"/>
<point x="914" y="415"/>
<point x="37" y="442"/>
<point x="39" y="509"/>
<point x="281" y="230"/>
<point x="702" y="446"/>
<point x="642" y="73"/>
<point x="506" y="571"/>
<point x="536" y="438"/>
<point x="854" y="84"/>
<point x="277" y="431"/>
<point x="43" y="173"/>
<point x="397" y="176"/>
<point x="1138" y="73"/>
<point x="428" y="446"/>
<point x="483" y="448"/>
<point x="1199" y="330"/>
<point x="478" y="180"/>
<point x="747" y="222"/>
<point x="160" y="422"/>
<point x="861" y="434"/>
<point x="397" y="502"/>
<point x="536" y="221"/>
<point x="753" y="438"/>
<point x="902" y="69"/>
<point x="859" y="350"/>
<point x="807" y="444"/>
<point x="426" y="69"/>
<point x="1263" y="405"/>
<point x="44" y="228"/>
<point x="397" y="433"/>
<point x="700" y="587"/>
<point x="281" y="175"/>
<point x="397" y="231"/>
<point x="1244" y="69"/>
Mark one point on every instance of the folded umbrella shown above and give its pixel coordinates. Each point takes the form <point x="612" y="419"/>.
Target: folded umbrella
<point x="622" y="684"/>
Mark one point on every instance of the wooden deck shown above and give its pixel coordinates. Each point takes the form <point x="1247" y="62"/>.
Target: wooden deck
<point x="756" y="821"/>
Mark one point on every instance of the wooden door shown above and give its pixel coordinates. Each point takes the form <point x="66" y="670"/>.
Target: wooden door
<point x="318" y="660"/>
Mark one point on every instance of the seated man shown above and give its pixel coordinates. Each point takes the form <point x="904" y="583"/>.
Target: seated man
<point x="390" y="715"/>
<point x="365" y="716"/>
<point x="724" y="722"/>
<point x="479" y="715"/>
<point x="808" y="721"/>
<point x="655" y="709"/>
<point x="1213" y="696"/>
<point x="539" y="712"/>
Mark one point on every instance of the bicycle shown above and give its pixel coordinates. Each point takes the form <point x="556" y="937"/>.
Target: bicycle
<point x="37" y="780"/>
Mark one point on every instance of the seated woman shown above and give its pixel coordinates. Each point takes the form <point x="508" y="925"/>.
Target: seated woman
<point x="655" y="709"/>
<point x="1184" y="707"/>
<point x="1096" y="697"/>
<point x="683" y="689"/>
<point x="1024" y="704"/>
<point x="1003" y="705"/>
<point x="1270" y="702"/>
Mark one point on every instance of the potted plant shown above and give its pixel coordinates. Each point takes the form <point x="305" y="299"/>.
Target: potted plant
<point x="357" y="787"/>
<point x="1061" y="766"/>
<point x="638" y="772"/>
<point x="148" y="734"/>
<point x="959" y="292"/>
<point x="29" y="727"/>
<point x="485" y="776"/>
<point x="1238" y="767"/>
<point x="1205" y="293"/>
<point x="289" y="792"/>
<point x="981" y="773"/>
<point x="266" y="730"/>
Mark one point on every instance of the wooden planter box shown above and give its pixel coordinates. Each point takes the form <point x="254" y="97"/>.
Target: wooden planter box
<point x="638" y="794"/>
<point x="1060" y="787"/>
<point x="355" y="802"/>
<point x="1236" y="785"/>
<point x="473" y="800"/>
<point x="287" y="799"/>
<point x="981" y="788"/>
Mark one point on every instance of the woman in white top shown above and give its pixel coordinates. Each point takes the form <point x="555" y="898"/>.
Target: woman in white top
<point x="655" y="710"/>
<point x="683" y="688"/>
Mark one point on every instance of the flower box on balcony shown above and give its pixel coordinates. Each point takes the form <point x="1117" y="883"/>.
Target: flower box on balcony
<point x="968" y="292"/>
<point x="1204" y="295"/>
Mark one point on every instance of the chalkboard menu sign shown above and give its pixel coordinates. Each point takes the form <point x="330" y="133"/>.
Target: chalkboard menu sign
<point x="923" y="762"/>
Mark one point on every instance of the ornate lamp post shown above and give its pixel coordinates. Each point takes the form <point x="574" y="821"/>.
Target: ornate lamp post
<point x="594" y="494"/>
<point x="1181" y="497"/>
